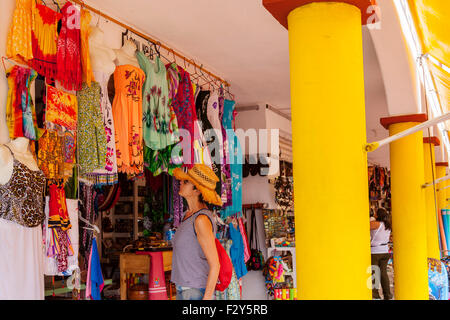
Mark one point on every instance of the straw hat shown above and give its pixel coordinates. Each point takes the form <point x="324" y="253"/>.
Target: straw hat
<point x="204" y="179"/>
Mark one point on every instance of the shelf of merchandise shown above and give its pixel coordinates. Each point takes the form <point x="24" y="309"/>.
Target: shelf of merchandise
<point x="135" y="216"/>
<point x="293" y="273"/>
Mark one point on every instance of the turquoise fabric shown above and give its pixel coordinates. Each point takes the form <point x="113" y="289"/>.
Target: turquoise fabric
<point x="237" y="252"/>
<point x="235" y="160"/>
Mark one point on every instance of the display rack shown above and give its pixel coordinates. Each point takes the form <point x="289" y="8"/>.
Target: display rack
<point x="135" y="215"/>
<point x="272" y="249"/>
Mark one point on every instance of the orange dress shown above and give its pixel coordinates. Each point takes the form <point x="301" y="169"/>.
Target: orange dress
<point x="85" y="59"/>
<point x="127" y="115"/>
<point x="19" y="45"/>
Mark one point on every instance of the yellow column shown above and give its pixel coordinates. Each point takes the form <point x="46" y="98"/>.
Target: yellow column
<point x="328" y="123"/>
<point x="408" y="210"/>
<point x="442" y="200"/>
<point x="431" y="198"/>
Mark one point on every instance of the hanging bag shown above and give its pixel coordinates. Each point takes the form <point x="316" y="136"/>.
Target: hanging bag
<point x="256" y="261"/>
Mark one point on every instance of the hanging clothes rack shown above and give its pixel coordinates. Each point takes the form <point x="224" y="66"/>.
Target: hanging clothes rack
<point x="155" y="42"/>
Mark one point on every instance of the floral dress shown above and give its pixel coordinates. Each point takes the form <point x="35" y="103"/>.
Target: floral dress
<point x="235" y="162"/>
<point x="127" y="115"/>
<point x="184" y="107"/>
<point x="159" y="129"/>
<point x="108" y="174"/>
<point x="91" y="132"/>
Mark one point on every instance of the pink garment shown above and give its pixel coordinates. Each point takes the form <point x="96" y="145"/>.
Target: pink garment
<point x="156" y="279"/>
<point x="88" y="278"/>
<point x="245" y="240"/>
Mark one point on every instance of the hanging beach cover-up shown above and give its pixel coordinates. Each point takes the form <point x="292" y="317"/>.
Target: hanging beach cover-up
<point x="44" y="36"/>
<point x="68" y="57"/>
<point x="19" y="45"/>
<point x="20" y="110"/>
<point x="127" y="115"/>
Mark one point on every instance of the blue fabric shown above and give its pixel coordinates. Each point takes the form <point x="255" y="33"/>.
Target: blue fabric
<point x="237" y="252"/>
<point x="96" y="273"/>
<point x="235" y="160"/>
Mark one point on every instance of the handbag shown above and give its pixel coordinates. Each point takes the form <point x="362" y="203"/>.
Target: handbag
<point x="256" y="261"/>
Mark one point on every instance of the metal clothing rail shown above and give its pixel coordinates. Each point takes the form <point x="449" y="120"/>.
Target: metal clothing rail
<point x="170" y="50"/>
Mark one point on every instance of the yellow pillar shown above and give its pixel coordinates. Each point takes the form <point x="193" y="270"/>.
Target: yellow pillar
<point x="442" y="200"/>
<point x="328" y="131"/>
<point x="408" y="209"/>
<point x="431" y="197"/>
<point x="328" y="121"/>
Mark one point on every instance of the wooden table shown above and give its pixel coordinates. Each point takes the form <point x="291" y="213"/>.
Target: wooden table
<point x="137" y="263"/>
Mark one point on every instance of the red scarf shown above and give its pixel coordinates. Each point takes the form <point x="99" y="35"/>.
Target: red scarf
<point x="69" y="49"/>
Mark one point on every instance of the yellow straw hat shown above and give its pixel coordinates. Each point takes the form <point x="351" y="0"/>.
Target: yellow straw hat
<point x="204" y="179"/>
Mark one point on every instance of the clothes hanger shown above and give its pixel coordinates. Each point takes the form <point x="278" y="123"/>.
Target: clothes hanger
<point x="57" y="5"/>
<point x="94" y="227"/>
<point x="157" y="49"/>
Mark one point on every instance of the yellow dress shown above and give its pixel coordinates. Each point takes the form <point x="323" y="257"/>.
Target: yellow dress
<point x="85" y="59"/>
<point x="19" y="46"/>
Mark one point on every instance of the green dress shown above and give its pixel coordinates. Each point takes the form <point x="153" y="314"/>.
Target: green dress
<point x="159" y="129"/>
<point x="92" y="144"/>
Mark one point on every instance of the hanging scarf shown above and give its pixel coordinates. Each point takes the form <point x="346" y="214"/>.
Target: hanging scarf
<point x="59" y="222"/>
<point x="44" y="36"/>
<point x="68" y="57"/>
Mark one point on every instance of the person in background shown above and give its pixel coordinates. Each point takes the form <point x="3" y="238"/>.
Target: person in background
<point x="195" y="262"/>
<point x="380" y="231"/>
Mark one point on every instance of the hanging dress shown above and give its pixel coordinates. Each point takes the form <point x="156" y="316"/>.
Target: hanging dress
<point x="107" y="175"/>
<point x="68" y="57"/>
<point x="184" y="107"/>
<point x="127" y="114"/>
<point x="85" y="31"/>
<point x="227" y="197"/>
<point x="159" y="132"/>
<point x="235" y="162"/>
<point x="91" y="132"/>
<point x="20" y="111"/>
<point x="21" y="213"/>
<point x="19" y="46"/>
<point x="44" y="36"/>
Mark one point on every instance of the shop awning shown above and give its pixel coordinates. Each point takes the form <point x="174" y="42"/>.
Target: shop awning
<point x="431" y="18"/>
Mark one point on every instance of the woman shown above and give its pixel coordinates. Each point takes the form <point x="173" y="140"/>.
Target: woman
<point x="195" y="262"/>
<point x="380" y="231"/>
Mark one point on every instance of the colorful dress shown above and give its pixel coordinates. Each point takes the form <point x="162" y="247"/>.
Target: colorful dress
<point x="19" y="46"/>
<point x="127" y="114"/>
<point x="85" y="31"/>
<point x="44" y="36"/>
<point x="208" y="133"/>
<point x="158" y="129"/>
<point x="20" y="110"/>
<point x="107" y="175"/>
<point x="184" y="107"/>
<point x="68" y="57"/>
<point x="235" y="162"/>
<point x="61" y="116"/>
<point x="227" y="197"/>
<point x="91" y="132"/>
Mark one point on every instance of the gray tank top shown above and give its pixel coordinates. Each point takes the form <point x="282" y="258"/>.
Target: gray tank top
<point x="189" y="265"/>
